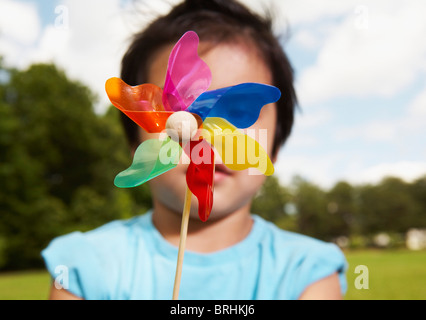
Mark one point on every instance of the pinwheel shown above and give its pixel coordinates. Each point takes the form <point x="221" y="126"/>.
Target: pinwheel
<point x="192" y="120"/>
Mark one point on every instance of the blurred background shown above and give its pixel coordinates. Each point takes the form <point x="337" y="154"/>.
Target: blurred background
<point x="353" y="171"/>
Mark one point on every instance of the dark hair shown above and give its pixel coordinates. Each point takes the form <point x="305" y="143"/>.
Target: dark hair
<point x="215" y="21"/>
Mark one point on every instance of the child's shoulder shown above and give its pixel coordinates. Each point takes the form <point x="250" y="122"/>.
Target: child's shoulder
<point x="299" y="260"/>
<point x="305" y="258"/>
<point x="112" y="233"/>
<point x="290" y="239"/>
<point x="296" y="248"/>
<point x="94" y="259"/>
<point x="119" y="230"/>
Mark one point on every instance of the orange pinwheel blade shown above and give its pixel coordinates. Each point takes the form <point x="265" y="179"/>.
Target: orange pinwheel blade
<point x="145" y="97"/>
<point x="150" y="121"/>
<point x="142" y="104"/>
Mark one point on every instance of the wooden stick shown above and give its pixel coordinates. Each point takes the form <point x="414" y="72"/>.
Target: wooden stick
<point x="182" y="241"/>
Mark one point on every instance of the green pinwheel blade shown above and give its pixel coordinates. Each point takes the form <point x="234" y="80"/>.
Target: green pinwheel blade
<point x="152" y="158"/>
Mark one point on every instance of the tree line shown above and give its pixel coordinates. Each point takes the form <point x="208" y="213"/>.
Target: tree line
<point x="58" y="160"/>
<point x="356" y="213"/>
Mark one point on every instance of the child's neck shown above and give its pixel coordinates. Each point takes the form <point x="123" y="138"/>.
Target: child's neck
<point x="203" y="237"/>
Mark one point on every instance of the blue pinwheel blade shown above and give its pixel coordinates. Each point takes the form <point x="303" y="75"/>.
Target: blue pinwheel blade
<point x="240" y="104"/>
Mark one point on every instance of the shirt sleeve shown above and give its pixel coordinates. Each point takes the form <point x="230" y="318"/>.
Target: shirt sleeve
<point x="319" y="261"/>
<point x="74" y="263"/>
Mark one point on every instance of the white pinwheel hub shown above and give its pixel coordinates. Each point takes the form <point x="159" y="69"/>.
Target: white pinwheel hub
<point x="181" y="126"/>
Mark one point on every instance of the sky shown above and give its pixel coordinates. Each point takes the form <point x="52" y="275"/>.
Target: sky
<point x="359" y="66"/>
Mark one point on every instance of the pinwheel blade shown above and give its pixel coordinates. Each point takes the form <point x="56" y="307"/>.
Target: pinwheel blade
<point x="237" y="150"/>
<point x="187" y="75"/>
<point x="152" y="158"/>
<point x="145" y="97"/>
<point x="143" y="103"/>
<point x="240" y="104"/>
<point x="150" y="121"/>
<point x="199" y="176"/>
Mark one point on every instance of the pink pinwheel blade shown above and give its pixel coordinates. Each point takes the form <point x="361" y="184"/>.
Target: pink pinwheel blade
<point x="187" y="75"/>
<point x="199" y="176"/>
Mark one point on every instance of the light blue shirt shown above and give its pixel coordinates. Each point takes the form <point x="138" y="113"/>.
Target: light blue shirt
<point x="129" y="259"/>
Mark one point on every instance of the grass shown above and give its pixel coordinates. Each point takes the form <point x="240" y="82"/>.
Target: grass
<point x="25" y="285"/>
<point x="392" y="275"/>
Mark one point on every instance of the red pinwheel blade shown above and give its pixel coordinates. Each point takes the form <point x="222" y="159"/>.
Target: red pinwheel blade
<point x="199" y="176"/>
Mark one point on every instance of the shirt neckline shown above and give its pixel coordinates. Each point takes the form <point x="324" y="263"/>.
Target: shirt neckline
<point x="236" y="251"/>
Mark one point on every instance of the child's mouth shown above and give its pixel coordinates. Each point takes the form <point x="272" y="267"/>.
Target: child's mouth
<point x="221" y="172"/>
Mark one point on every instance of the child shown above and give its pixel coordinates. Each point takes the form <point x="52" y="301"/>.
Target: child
<point x="234" y="255"/>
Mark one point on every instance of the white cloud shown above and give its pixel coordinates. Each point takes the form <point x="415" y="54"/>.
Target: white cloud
<point x="319" y="170"/>
<point x="86" y="38"/>
<point x="307" y="39"/>
<point x="309" y="119"/>
<point x="379" y="60"/>
<point x="19" y="22"/>
<point x="53" y="44"/>
<point x="417" y="108"/>
<point x="303" y="140"/>
<point x="305" y="124"/>
<point x="19" y="29"/>
<point x="308" y="11"/>
<point x="360" y="154"/>
<point x="374" y="131"/>
<point x="409" y="126"/>
<point x="88" y="43"/>
<point x="406" y="170"/>
<point x="326" y="170"/>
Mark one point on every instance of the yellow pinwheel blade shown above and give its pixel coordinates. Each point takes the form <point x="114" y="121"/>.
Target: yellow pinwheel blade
<point x="237" y="150"/>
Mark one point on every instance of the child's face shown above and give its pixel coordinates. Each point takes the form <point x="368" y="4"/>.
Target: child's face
<point x="233" y="190"/>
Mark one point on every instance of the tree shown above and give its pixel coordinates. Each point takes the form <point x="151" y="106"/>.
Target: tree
<point x="341" y="206"/>
<point x="417" y="189"/>
<point x="312" y="214"/>
<point x="388" y="206"/>
<point x="270" y="203"/>
<point x="58" y="162"/>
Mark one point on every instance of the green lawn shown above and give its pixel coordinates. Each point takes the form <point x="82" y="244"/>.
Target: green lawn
<point x="28" y="285"/>
<point x="399" y="274"/>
